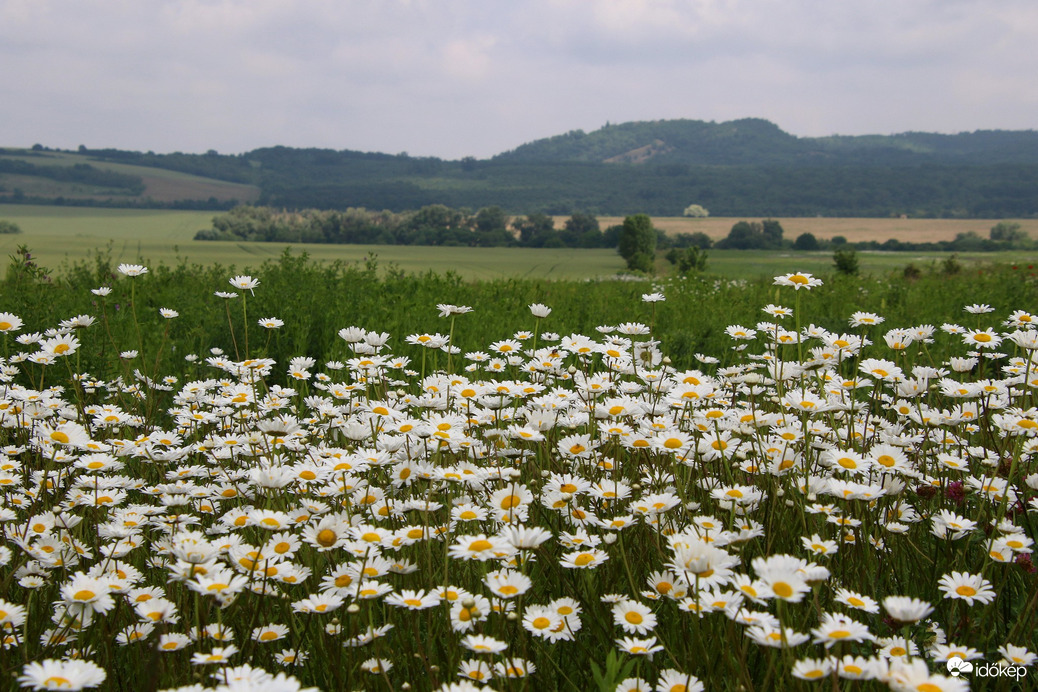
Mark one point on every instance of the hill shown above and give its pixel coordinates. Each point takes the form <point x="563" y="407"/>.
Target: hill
<point x="79" y="179"/>
<point x="746" y="167"/>
<point x="755" y="142"/>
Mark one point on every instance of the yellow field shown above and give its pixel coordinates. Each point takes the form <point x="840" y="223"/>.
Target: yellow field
<point x="854" y="230"/>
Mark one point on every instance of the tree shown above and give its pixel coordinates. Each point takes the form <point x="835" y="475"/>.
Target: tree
<point x="771" y="231"/>
<point x="581" y="230"/>
<point x="1009" y="232"/>
<point x="637" y="243"/>
<point x="536" y="230"/>
<point x="696" y="211"/>
<point x="744" y="235"/>
<point x="806" y="242"/>
<point x="491" y="228"/>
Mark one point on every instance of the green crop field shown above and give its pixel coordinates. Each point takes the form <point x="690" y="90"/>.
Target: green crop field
<point x="59" y="236"/>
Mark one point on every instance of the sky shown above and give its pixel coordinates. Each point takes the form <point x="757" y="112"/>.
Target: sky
<point x="456" y="78"/>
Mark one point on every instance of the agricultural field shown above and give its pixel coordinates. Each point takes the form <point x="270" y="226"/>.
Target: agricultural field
<point x="331" y="476"/>
<point x="60" y="236"/>
<point x="159" y="185"/>
<point x="853" y="229"/>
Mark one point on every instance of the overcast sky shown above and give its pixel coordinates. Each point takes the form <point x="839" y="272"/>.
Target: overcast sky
<point x="453" y="78"/>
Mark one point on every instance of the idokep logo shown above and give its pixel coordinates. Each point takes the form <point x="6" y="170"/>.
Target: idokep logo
<point x="958" y="666"/>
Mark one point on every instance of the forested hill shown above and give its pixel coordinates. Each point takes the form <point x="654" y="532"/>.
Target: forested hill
<point x="740" y="168"/>
<point x="754" y="142"/>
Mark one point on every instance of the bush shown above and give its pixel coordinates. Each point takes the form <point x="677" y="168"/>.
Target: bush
<point x="9" y="227"/>
<point x="846" y="261"/>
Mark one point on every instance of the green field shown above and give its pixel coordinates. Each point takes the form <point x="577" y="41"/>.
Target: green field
<point x="160" y="185"/>
<point x="59" y="236"/>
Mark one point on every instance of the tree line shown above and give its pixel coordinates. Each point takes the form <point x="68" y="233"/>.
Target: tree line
<point x="434" y="224"/>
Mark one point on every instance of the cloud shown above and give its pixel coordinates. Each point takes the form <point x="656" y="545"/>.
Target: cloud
<point x="457" y="77"/>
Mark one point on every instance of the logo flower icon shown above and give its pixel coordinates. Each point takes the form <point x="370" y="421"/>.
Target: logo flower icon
<point x="958" y="666"/>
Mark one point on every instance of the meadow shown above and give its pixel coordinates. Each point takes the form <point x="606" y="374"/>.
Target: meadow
<point x="61" y="236"/>
<point x="327" y="475"/>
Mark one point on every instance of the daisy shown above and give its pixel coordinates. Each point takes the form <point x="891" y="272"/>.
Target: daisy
<point x="474" y="669"/>
<point x="813" y="668"/>
<point x="508" y="583"/>
<point x="967" y="587"/>
<point x="639" y="647"/>
<point x="675" y="681"/>
<point x="219" y="655"/>
<point x="633" y="617"/>
<point x="1017" y="655"/>
<point x="982" y="339"/>
<point x="836" y="627"/>
<point x="413" y="600"/>
<point x="857" y="600"/>
<point x="514" y="668"/>
<point x="132" y="269"/>
<point x="10" y="322"/>
<point x="776" y="637"/>
<point x="446" y="310"/>
<point x="541" y="620"/>
<point x="482" y="644"/>
<point x="915" y="675"/>
<point x="906" y="608"/>
<point x="586" y="559"/>
<point x="478" y="547"/>
<point x="539" y="310"/>
<point x="74" y="674"/>
<point x="245" y="283"/>
<point x="376" y="666"/>
<point x="88" y="594"/>
<point x="819" y="546"/>
<point x="797" y="281"/>
<point x="173" y="641"/>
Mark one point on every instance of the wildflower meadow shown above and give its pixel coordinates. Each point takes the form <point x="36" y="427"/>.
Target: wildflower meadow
<point x="306" y="478"/>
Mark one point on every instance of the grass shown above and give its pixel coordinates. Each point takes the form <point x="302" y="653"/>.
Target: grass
<point x="66" y="235"/>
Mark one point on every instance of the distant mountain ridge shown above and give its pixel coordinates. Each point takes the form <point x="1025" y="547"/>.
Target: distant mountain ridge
<point x="754" y="141"/>
<point x="747" y="167"/>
